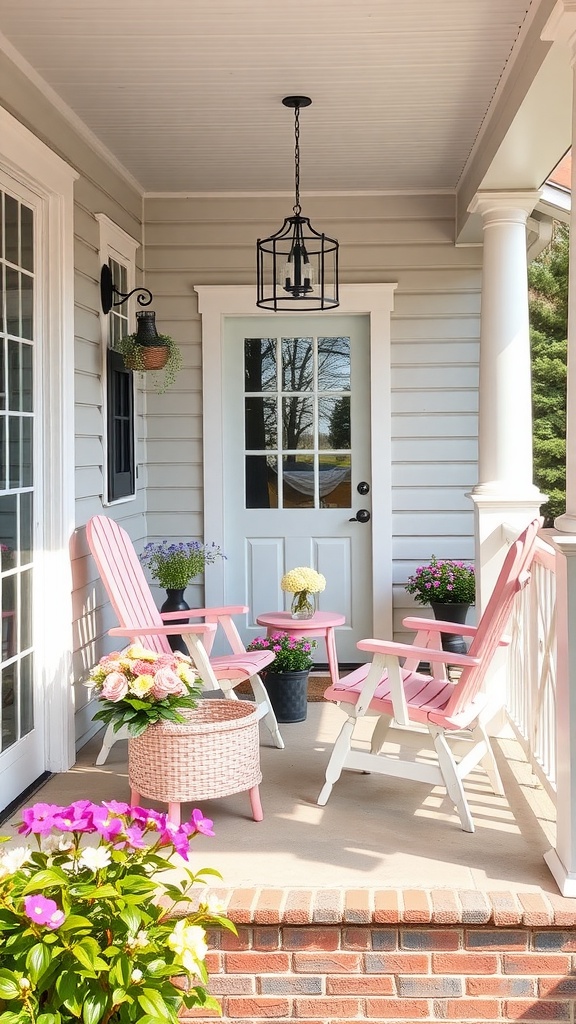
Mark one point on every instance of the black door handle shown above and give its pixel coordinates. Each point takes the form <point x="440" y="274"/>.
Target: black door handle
<point x="362" y="516"/>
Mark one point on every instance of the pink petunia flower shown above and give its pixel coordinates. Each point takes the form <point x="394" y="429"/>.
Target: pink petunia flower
<point x="44" y="911"/>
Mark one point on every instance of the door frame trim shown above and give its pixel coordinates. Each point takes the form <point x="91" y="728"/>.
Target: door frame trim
<point x="30" y="162"/>
<point x="215" y="304"/>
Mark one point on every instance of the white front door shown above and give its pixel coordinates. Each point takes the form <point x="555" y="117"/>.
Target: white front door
<point x="297" y="466"/>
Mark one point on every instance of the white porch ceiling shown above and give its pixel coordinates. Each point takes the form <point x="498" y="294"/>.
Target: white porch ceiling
<point x="186" y="94"/>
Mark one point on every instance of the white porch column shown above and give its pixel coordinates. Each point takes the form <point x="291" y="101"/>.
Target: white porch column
<point x="561" y="860"/>
<point x="505" y="491"/>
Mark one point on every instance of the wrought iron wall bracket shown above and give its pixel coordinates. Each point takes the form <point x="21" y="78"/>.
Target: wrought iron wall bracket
<point x="108" y="292"/>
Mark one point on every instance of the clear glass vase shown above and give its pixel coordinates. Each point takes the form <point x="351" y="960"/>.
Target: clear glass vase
<point x="303" y="605"/>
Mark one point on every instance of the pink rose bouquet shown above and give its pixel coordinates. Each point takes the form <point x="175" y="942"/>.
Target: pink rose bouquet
<point x="137" y="688"/>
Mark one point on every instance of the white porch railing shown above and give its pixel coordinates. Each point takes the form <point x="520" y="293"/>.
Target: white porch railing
<point x="531" y="667"/>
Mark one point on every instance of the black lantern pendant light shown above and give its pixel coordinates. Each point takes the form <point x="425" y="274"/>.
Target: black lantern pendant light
<point x="297" y="267"/>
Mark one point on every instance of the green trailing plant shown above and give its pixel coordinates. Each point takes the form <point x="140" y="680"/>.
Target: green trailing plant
<point x="134" y="354"/>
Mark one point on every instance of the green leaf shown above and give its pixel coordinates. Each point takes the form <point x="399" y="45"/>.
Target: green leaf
<point x="66" y="985"/>
<point x="132" y="918"/>
<point x="84" y="955"/>
<point x="151" y="1002"/>
<point x="37" y="961"/>
<point x="94" y="1006"/>
<point x="46" y="1018"/>
<point x="76" y="923"/>
<point x="9" y="987"/>
<point x="11" y="1018"/>
<point x="44" y="879"/>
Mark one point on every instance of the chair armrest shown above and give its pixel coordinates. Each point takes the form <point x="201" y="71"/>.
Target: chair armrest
<point x="200" y="613"/>
<point x="438" y="625"/>
<point x="173" y="630"/>
<point x="422" y="653"/>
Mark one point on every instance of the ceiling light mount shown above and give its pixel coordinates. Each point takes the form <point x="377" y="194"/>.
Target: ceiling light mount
<point x="297" y="267"/>
<point x="109" y="291"/>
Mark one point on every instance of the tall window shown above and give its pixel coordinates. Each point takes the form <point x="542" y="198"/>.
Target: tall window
<point x="118" y="250"/>
<point x="17" y="282"/>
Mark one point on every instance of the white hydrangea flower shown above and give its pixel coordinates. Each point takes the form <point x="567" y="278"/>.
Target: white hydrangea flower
<point x="303" y="578"/>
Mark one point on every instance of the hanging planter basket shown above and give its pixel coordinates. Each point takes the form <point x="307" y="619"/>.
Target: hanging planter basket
<point x="150" y="357"/>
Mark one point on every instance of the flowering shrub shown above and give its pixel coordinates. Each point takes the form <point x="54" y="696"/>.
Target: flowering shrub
<point x="176" y="565"/>
<point x="90" y="933"/>
<point x="291" y="654"/>
<point x="444" y="581"/>
<point x="137" y="688"/>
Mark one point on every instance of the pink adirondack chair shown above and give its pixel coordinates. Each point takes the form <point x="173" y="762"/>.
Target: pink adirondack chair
<point x="140" y="620"/>
<point x="391" y="690"/>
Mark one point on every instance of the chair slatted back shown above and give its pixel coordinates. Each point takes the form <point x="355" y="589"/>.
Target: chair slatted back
<point x="124" y="579"/>
<point x="513" y="576"/>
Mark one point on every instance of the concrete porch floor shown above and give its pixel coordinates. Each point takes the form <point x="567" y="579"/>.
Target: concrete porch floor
<point x="375" y="831"/>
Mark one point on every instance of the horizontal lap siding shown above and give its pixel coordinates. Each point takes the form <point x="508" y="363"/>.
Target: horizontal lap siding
<point x="434" y="363"/>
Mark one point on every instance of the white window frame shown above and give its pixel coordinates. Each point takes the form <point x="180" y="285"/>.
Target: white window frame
<point x="116" y="244"/>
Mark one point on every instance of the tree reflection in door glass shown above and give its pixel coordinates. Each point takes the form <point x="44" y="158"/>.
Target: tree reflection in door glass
<point x="304" y="408"/>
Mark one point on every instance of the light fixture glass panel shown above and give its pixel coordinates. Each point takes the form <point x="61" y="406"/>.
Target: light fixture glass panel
<point x="260" y="423"/>
<point x="298" y="477"/>
<point x="297" y="364"/>
<point x="297" y="423"/>
<point x="261" y="481"/>
<point x="334" y="422"/>
<point x="334" y="364"/>
<point x="260" y="364"/>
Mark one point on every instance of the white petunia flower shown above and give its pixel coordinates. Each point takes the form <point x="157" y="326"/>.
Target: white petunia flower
<point x="95" y="858"/>
<point x="13" y="860"/>
<point x="189" y="943"/>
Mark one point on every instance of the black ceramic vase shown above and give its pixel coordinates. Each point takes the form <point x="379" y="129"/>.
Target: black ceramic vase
<point x="288" y="692"/>
<point x="175" y="603"/>
<point x="452" y="642"/>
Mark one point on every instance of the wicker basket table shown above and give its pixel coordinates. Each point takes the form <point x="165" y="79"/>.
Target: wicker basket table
<point x="215" y="752"/>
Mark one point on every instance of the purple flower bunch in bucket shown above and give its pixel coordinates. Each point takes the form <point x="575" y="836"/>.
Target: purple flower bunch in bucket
<point x="443" y="581"/>
<point x="291" y="654"/>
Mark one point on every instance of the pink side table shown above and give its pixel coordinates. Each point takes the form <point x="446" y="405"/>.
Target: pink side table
<point x="321" y="624"/>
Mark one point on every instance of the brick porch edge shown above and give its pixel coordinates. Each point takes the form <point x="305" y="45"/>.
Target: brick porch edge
<point x="333" y="956"/>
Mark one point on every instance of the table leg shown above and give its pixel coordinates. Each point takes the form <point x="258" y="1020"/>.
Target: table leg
<point x="332" y="655"/>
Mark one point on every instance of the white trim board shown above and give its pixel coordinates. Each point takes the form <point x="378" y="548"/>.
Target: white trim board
<point x="215" y="303"/>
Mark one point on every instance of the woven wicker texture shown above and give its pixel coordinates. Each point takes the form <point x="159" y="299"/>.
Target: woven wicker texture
<point x="214" y="753"/>
<point x="151" y="357"/>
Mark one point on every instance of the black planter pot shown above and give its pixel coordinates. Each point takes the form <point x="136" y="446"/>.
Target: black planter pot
<point x="175" y="603"/>
<point x="288" y="692"/>
<point x="452" y="642"/>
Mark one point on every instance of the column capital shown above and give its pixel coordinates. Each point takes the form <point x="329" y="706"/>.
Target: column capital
<point x="561" y="25"/>
<point x="505" y="207"/>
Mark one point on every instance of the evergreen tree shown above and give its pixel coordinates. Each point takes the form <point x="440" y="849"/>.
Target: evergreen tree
<point x="548" y="299"/>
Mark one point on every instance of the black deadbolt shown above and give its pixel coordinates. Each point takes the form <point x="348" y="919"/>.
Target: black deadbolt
<point x="363" y="487"/>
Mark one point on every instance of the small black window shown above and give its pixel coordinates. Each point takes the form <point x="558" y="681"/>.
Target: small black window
<point x="121" y="482"/>
<point x="121" y="464"/>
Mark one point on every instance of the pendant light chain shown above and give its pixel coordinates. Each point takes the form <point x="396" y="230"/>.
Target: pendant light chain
<point x="297" y="208"/>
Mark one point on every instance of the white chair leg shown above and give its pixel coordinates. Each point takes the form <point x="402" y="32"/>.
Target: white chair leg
<point x="337" y="760"/>
<point x="110" y="738"/>
<point x="488" y="761"/>
<point x="451" y="778"/>
<point x="262" y="699"/>
<point x="379" y="733"/>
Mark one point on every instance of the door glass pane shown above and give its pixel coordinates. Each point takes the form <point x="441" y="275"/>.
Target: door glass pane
<point x="298" y="482"/>
<point x="17" y="296"/>
<point x="297" y="364"/>
<point x="260" y="364"/>
<point x="308" y="410"/>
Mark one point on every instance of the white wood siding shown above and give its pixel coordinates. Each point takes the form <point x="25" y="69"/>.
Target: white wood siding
<point x="435" y="332"/>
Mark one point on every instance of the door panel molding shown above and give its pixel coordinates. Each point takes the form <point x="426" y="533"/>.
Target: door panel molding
<point x="218" y="302"/>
